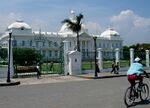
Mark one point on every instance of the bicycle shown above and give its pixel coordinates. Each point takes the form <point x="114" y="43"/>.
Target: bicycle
<point x="135" y="92"/>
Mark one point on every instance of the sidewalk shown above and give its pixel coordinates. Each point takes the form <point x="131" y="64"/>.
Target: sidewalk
<point x="107" y="74"/>
<point x="60" y="78"/>
<point x="55" y="79"/>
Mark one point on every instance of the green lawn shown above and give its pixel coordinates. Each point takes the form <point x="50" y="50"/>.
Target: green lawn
<point x="106" y="64"/>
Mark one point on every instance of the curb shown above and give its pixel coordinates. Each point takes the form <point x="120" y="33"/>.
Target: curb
<point x="13" y="83"/>
<point x="101" y="77"/>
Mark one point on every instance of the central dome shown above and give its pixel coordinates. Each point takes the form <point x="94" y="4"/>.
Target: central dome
<point x="65" y="29"/>
<point x="19" y="24"/>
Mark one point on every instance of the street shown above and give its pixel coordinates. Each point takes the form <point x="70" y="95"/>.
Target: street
<point x="98" y="93"/>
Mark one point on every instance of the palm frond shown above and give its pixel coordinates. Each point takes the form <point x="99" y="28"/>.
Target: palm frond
<point x="78" y="18"/>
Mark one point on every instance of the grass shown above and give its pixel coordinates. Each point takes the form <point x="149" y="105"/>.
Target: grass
<point x="52" y="68"/>
<point x="106" y="64"/>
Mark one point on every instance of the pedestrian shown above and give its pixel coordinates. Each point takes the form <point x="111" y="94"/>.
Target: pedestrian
<point x="117" y="68"/>
<point x="113" y="67"/>
<point x="97" y="68"/>
<point x="38" y="70"/>
<point x="51" y="65"/>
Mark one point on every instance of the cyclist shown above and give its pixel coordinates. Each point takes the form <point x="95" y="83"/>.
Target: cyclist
<point x="135" y="71"/>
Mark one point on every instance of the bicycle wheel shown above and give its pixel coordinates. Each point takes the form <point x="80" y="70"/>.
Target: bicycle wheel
<point x="144" y="92"/>
<point x="129" y="97"/>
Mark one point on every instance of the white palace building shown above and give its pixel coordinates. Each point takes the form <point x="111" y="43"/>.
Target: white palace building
<point x="50" y="43"/>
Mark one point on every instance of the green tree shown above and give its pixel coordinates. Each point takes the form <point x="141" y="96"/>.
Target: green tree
<point x="26" y="56"/>
<point x="3" y="53"/>
<point x="126" y="52"/>
<point x="75" y="26"/>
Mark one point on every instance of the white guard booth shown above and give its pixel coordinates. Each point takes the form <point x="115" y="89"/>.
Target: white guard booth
<point x="74" y="62"/>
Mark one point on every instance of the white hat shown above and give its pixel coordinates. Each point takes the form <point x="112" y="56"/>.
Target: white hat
<point x="137" y="59"/>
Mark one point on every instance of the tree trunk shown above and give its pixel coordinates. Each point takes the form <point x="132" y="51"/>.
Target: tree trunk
<point x="78" y="42"/>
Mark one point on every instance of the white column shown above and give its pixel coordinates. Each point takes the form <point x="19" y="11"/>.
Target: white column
<point x="147" y="58"/>
<point x="131" y="55"/>
<point x="117" y="55"/>
<point x="66" y="49"/>
<point x="100" y="59"/>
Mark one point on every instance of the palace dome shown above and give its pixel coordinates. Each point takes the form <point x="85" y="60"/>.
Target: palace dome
<point x="18" y="24"/>
<point x="65" y="29"/>
<point x="109" y="33"/>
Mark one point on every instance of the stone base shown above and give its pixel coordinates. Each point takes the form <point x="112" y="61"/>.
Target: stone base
<point x="12" y="83"/>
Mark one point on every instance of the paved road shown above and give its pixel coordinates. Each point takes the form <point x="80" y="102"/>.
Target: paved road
<point x="99" y="93"/>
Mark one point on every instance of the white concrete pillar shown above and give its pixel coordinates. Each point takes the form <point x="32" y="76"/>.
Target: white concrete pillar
<point x="66" y="49"/>
<point x="74" y="62"/>
<point x="100" y="58"/>
<point x="147" y="58"/>
<point x="131" y="55"/>
<point x="117" y="55"/>
<point x="11" y="61"/>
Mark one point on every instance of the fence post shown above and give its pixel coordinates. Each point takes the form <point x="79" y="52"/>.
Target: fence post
<point x="131" y="55"/>
<point x="100" y="59"/>
<point x="147" y="58"/>
<point x="66" y="49"/>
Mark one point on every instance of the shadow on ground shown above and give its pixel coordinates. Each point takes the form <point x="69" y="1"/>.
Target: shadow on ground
<point x="146" y="102"/>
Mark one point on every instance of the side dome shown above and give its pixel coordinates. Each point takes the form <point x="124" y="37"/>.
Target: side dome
<point x="109" y="33"/>
<point x="18" y="25"/>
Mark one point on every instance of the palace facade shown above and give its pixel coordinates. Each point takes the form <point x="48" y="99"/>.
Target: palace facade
<point x="50" y="43"/>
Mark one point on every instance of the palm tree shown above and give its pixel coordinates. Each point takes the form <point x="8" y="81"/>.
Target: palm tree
<point x="75" y="26"/>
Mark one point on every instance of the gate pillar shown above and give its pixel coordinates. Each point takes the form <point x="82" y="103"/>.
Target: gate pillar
<point x="147" y="58"/>
<point x="117" y="55"/>
<point x="66" y="50"/>
<point x="131" y="55"/>
<point x="100" y="59"/>
<point x="74" y="62"/>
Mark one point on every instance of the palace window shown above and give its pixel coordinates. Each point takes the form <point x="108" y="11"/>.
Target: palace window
<point x="37" y="44"/>
<point x="70" y="44"/>
<point x="50" y="53"/>
<point x="107" y="45"/>
<point x="30" y="42"/>
<point x="43" y="43"/>
<point x="56" y="53"/>
<point x="103" y="45"/>
<point x="50" y="43"/>
<point x="23" y="43"/>
<point x="100" y="45"/>
<point x="44" y="53"/>
<point x="55" y="44"/>
<point x="15" y="43"/>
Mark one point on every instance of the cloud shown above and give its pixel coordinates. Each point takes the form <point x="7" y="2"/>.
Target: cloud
<point x="94" y="27"/>
<point x="36" y="24"/>
<point x="133" y="28"/>
<point x="6" y="20"/>
<point x="39" y="24"/>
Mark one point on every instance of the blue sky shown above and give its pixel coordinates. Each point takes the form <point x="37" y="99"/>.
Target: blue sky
<point x="131" y="18"/>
